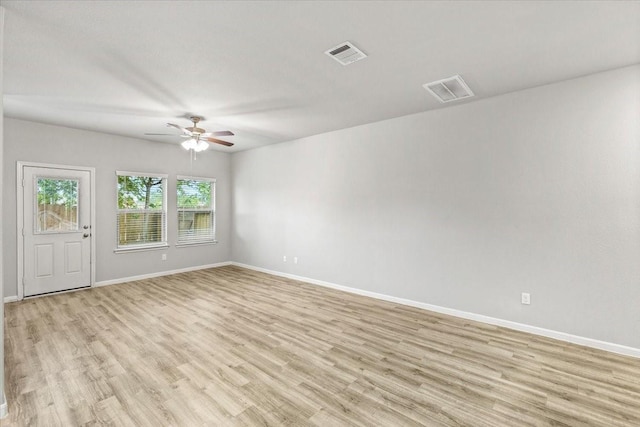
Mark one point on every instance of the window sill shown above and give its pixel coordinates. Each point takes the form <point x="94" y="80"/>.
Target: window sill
<point x="141" y="248"/>
<point x="186" y="245"/>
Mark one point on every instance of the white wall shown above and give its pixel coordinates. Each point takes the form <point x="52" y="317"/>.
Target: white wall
<point x="28" y="141"/>
<point x="466" y="207"/>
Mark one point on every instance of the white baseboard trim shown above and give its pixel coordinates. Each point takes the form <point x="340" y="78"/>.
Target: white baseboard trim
<point x="159" y="274"/>
<point x="562" y="336"/>
<point x="140" y="277"/>
<point x="3" y="406"/>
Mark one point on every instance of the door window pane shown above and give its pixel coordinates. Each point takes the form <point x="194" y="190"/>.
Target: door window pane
<point x="57" y="202"/>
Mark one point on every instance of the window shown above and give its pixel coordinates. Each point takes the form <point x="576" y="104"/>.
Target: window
<point x="57" y="201"/>
<point x="196" y="210"/>
<point x="142" y="213"/>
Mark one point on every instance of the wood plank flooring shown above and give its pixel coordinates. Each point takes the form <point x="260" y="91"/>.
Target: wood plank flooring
<point x="234" y="347"/>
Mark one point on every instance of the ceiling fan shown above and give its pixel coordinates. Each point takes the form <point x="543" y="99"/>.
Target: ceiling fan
<point x="198" y="138"/>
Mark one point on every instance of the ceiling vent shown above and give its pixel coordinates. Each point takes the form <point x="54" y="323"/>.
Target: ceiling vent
<point x="346" y="53"/>
<point x="450" y="89"/>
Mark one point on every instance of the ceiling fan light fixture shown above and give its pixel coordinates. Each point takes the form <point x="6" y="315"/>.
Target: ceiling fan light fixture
<point x="201" y="146"/>
<point x="189" y="144"/>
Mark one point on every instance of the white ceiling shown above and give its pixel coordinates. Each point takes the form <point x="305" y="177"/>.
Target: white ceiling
<point x="258" y="68"/>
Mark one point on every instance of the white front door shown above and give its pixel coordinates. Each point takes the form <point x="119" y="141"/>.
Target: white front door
<point x="56" y="229"/>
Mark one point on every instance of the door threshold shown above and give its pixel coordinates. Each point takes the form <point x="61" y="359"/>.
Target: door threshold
<point x="46" y="294"/>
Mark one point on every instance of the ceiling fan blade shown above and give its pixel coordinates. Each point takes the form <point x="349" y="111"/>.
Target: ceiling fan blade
<point x="218" y="141"/>
<point x="180" y="128"/>
<point x="160" y="134"/>
<point x="219" y="133"/>
<point x="222" y="133"/>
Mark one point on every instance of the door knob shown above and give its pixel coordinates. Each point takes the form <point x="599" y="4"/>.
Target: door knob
<point x="85" y="235"/>
<point x="86" y="227"/>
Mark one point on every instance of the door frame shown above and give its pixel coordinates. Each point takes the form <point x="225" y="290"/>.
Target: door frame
<point x="20" y="217"/>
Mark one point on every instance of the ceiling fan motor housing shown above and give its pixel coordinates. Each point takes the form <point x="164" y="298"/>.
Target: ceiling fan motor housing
<point x="194" y="128"/>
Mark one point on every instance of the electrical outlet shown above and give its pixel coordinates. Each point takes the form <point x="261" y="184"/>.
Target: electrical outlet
<point x="164" y="257"/>
<point x="284" y="258"/>
<point x="295" y="259"/>
<point x="526" y="298"/>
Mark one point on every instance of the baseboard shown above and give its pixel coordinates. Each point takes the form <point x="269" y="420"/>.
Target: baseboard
<point x="3" y="406"/>
<point x="142" y="277"/>
<point x="159" y="274"/>
<point x="562" y="336"/>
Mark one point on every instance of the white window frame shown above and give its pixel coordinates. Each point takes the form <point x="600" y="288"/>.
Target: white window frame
<point x="212" y="209"/>
<point x="146" y="246"/>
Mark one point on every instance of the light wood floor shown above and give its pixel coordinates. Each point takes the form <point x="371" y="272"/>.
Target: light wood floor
<point x="233" y="347"/>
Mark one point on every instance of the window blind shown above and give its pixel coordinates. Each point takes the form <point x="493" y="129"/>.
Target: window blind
<point x="141" y="227"/>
